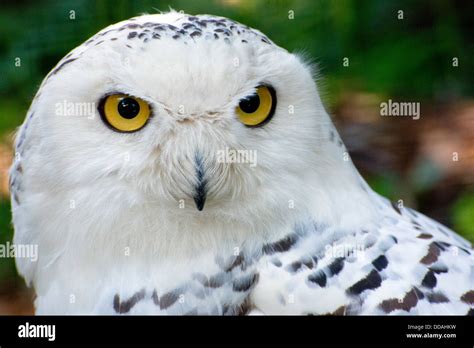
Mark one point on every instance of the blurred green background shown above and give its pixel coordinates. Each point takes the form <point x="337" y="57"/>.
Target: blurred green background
<point x="405" y="59"/>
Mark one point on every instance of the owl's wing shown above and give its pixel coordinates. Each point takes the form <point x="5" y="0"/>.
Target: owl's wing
<point x="404" y="263"/>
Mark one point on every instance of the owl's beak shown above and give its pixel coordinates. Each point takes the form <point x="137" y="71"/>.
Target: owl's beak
<point x="200" y="190"/>
<point x="200" y="198"/>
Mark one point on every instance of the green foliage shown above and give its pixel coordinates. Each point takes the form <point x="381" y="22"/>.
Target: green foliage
<point x="385" y="52"/>
<point x="463" y="215"/>
<point x="7" y="266"/>
<point x="385" y="185"/>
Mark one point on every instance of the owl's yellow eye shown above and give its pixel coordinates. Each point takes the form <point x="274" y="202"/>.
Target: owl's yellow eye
<point x="257" y="109"/>
<point x="124" y="113"/>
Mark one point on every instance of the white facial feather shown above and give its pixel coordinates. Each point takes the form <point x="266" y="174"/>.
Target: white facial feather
<point x="87" y="195"/>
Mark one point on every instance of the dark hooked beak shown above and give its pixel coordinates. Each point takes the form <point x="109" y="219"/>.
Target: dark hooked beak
<point x="200" y="190"/>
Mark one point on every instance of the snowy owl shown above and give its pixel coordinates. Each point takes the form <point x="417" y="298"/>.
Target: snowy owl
<point x="178" y="164"/>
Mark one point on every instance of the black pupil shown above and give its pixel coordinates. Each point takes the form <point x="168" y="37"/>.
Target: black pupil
<point x="250" y="104"/>
<point x="128" y="108"/>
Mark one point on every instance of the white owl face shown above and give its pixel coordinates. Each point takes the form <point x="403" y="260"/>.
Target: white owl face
<point x="176" y="109"/>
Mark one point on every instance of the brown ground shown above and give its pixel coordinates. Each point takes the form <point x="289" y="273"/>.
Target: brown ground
<point x="16" y="300"/>
<point x="6" y="157"/>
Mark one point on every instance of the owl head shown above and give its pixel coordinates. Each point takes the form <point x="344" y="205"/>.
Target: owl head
<point x="194" y="118"/>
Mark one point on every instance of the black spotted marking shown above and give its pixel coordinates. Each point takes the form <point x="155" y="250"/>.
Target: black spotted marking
<point x="437" y="297"/>
<point x="192" y="312"/>
<point x="202" y="24"/>
<point x="445" y="244"/>
<point x="409" y="301"/>
<point x="319" y="278"/>
<point x="338" y="312"/>
<point x="442" y="230"/>
<point x="468" y="297"/>
<point x="16" y="199"/>
<point x="188" y="25"/>
<point x="237" y="309"/>
<point x="336" y="266"/>
<point x="370" y="282"/>
<point x="155" y="298"/>
<point x="419" y="293"/>
<point x="425" y="236"/>
<point x="62" y="65"/>
<point x="294" y="267"/>
<point x="244" y="283"/>
<point x="439" y="268"/>
<point x="215" y="281"/>
<point x="396" y="208"/>
<point x="201" y="293"/>
<point x="465" y="250"/>
<point x="190" y="29"/>
<point x="440" y="245"/>
<point x="167" y="300"/>
<point x="429" y="280"/>
<point x="230" y="309"/>
<point x="380" y="263"/>
<point x="276" y="262"/>
<point x="331" y="136"/>
<point x="432" y="256"/>
<point x="369" y="241"/>
<point x="299" y="265"/>
<point x="308" y="261"/>
<point x="386" y="243"/>
<point x="125" y="306"/>
<point x="237" y="262"/>
<point x="223" y="31"/>
<point x="280" y="246"/>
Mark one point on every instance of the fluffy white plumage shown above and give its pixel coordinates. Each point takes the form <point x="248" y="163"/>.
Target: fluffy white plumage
<point x="114" y="217"/>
